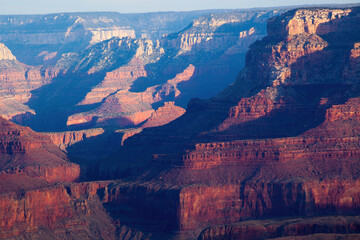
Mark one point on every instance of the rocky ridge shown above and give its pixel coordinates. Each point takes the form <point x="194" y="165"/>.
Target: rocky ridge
<point x="66" y="139"/>
<point x="38" y="39"/>
<point x="24" y="151"/>
<point x="282" y="141"/>
<point x="146" y="76"/>
<point x="121" y="80"/>
<point x="18" y="81"/>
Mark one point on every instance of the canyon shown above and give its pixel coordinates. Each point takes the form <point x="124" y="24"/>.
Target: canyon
<point x="119" y="77"/>
<point x="128" y="150"/>
<point x="282" y="141"/>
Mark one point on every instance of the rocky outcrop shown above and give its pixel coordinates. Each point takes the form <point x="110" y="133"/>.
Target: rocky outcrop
<point x="101" y="34"/>
<point x="5" y="53"/>
<point x="171" y="86"/>
<point x="164" y="115"/>
<point x="66" y="28"/>
<point x="282" y="141"/>
<point x="12" y="109"/>
<point x="128" y="133"/>
<point x="66" y="139"/>
<point x="349" y="110"/>
<point x="18" y="80"/>
<point x="227" y="204"/>
<point x="128" y="109"/>
<point x="69" y="211"/>
<point x="332" y="227"/>
<point x="115" y="80"/>
<point x="192" y="208"/>
<point x="217" y="31"/>
<point x="24" y="151"/>
<point x="123" y="109"/>
<point x="310" y="21"/>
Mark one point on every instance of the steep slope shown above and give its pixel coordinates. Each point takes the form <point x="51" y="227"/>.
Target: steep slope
<point x="172" y="70"/>
<point x="66" y="139"/>
<point x="24" y="151"/>
<point x="35" y="203"/>
<point x="122" y="81"/>
<point x="17" y="82"/>
<point x="79" y="72"/>
<point x="283" y="140"/>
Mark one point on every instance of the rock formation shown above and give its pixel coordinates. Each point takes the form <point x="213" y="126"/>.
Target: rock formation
<point x="276" y="154"/>
<point x="164" y="115"/>
<point x="5" y="53"/>
<point x="127" y="95"/>
<point x="17" y="82"/>
<point x="24" y="151"/>
<point x="36" y="39"/>
<point x="282" y="141"/>
<point x="66" y="139"/>
<point x="38" y="196"/>
<point x="107" y="76"/>
<point x="334" y="227"/>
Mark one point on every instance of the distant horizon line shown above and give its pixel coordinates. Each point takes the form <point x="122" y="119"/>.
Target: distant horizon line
<point x="188" y="11"/>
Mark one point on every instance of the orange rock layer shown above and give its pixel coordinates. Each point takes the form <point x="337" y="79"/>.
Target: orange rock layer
<point x="22" y="150"/>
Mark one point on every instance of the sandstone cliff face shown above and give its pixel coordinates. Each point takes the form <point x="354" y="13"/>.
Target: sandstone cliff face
<point x="5" y="53"/>
<point x="282" y="141"/>
<point x="216" y="31"/>
<point x="295" y="60"/>
<point x="164" y="115"/>
<point x="310" y="21"/>
<point x="17" y="82"/>
<point x="66" y="139"/>
<point x="145" y="79"/>
<point x="24" y="151"/>
<point x="127" y="109"/>
<point x="115" y="80"/>
<point x="333" y="227"/>
<point x="57" y="212"/>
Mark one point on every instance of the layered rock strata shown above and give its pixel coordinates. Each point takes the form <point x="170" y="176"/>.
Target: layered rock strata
<point x="24" y="151"/>
<point x="282" y="141"/>
<point x="18" y="80"/>
<point x="66" y="139"/>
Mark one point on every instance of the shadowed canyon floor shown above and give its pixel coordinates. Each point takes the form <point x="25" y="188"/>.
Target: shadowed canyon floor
<point x="273" y="156"/>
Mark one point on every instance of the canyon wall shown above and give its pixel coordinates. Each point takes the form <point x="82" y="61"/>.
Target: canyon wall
<point x="66" y="139"/>
<point x="282" y="141"/>
<point x="171" y="69"/>
<point x="24" y="151"/>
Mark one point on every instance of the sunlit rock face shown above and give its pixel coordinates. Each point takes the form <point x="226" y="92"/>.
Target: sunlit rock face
<point x="93" y="70"/>
<point x="24" y="151"/>
<point x="276" y="154"/>
<point x="282" y="141"/>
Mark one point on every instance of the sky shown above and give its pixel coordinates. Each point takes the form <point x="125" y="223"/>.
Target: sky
<point x="137" y="6"/>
